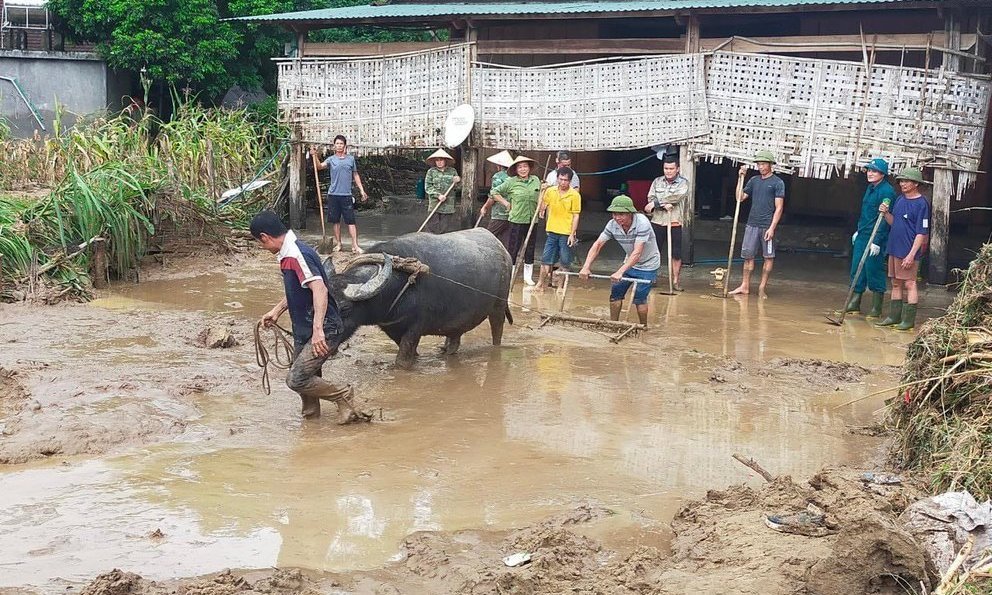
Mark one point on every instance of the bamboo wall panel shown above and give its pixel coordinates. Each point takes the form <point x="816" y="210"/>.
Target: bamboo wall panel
<point x="824" y="117"/>
<point x="393" y="101"/>
<point x="820" y="117"/>
<point x="615" y="105"/>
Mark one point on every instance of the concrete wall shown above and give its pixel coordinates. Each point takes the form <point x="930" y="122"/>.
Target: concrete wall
<point x="80" y="82"/>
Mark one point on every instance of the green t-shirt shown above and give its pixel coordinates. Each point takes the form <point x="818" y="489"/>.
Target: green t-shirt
<point x="522" y="195"/>
<point x="499" y="212"/>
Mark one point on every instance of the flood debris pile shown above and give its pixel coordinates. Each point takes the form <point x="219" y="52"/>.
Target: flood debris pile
<point x="122" y="187"/>
<point x="943" y="414"/>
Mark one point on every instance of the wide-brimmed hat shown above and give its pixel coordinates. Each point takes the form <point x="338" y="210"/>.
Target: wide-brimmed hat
<point x="912" y="174"/>
<point x="439" y="154"/>
<point x="764" y="155"/>
<point x="879" y="165"/>
<point x="622" y="204"/>
<point x="502" y="159"/>
<point x="520" y="159"/>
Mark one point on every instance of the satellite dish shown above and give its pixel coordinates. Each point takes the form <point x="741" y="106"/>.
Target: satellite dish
<point x="458" y="125"/>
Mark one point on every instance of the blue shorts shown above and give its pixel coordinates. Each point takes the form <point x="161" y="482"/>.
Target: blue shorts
<point x="556" y="249"/>
<point x="619" y="290"/>
<point x="340" y="206"/>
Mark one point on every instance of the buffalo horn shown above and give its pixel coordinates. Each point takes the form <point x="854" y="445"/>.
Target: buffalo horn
<point x="357" y="292"/>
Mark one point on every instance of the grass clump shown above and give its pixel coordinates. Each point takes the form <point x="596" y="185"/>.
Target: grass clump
<point x="943" y="416"/>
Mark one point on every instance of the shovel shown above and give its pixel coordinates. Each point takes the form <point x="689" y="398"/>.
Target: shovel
<point x="733" y="240"/>
<point x="322" y="247"/>
<point x="434" y="210"/>
<point x="864" y="256"/>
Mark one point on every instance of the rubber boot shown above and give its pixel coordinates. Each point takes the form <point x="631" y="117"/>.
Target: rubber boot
<point x="908" y="318"/>
<point x="529" y="274"/>
<point x="895" y="314"/>
<point x="854" y="304"/>
<point x="876" y="305"/>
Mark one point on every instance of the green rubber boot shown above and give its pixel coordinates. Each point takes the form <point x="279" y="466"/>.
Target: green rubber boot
<point x="895" y="314"/>
<point x="854" y="304"/>
<point x="876" y="305"/>
<point x="908" y="318"/>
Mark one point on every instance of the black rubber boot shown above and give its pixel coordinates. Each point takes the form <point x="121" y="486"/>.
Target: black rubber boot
<point x="876" y="305"/>
<point x="895" y="314"/>
<point x="908" y="318"/>
<point x="853" y="304"/>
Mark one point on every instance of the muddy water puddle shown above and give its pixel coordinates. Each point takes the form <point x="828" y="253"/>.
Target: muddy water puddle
<point x="491" y="438"/>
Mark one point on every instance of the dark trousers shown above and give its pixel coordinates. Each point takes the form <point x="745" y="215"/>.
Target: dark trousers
<point x="518" y="231"/>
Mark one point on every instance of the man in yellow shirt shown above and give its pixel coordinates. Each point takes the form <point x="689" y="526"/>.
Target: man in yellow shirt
<point x="562" y="204"/>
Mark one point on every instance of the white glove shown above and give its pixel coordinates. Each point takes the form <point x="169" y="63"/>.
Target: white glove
<point x="854" y="238"/>
<point x="874" y="249"/>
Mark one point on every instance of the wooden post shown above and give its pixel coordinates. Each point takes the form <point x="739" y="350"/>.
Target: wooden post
<point x="943" y="179"/>
<point x="297" y="204"/>
<point x="687" y="167"/>
<point x="470" y="152"/>
<point x="98" y="264"/>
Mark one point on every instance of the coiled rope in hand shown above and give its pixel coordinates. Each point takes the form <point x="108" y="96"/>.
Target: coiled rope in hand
<point x="282" y="348"/>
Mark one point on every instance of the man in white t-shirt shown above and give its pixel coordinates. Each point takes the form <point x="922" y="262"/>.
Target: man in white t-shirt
<point x="563" y="159"/>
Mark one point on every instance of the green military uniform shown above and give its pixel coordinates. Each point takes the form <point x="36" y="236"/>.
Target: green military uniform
<point x="435" y="183"/>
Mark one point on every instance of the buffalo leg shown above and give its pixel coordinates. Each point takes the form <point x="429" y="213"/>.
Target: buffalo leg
<point x="408" y="350"/>
<point x="496" y="321"/>
<point x="451" y="344"/>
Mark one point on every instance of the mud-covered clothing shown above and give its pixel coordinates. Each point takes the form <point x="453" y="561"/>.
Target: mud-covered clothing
<point x="436" y="182"/>
<point x="640" y="232"/>
<point x="305" y="377"/>
<point x="498" y="211"/>
<point x="562" y="207"/>
<point x="763" y="192"/>
<point x="340" y="174"/>
<point x="522" y="195"/>
<point x="301" y="266"/>
<point x="552" y="179"/>
<point x="910" y="218"/>
<point x="663" y="192"/>
<point x="874" y="271"/>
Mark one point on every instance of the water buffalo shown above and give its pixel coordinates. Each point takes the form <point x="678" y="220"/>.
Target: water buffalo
<point x="468" y="281"/>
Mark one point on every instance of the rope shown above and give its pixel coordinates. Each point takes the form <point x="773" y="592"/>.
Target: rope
<point x="616" y="169"/>
<point x="283" y="350"/>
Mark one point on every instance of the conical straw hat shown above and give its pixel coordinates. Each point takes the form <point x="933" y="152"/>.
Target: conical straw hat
<point x="502" y="159"/>
<point x="439" y="154"/>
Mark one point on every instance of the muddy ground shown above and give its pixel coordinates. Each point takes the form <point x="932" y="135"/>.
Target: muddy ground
<point x="118" y="428"/>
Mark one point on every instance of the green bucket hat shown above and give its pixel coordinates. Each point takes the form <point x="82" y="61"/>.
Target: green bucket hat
<point x="622" y="204"/>
<point x="912" y="174"/>
<point x="764" y="155"/>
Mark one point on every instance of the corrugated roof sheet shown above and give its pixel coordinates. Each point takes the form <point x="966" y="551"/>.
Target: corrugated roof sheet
<point x="434" y="10"/>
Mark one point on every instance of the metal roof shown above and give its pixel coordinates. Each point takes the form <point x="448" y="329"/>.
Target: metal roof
<point x="441" y="10"/>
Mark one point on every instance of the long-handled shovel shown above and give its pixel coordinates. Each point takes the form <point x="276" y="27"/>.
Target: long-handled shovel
<point x="434" y="210"/>
<point x="671" y="282"/>
<point x="733" y="236"/>
<point x="322" y="247"/>
<point x="479" y="220"/>
<point x="857" y="274"/>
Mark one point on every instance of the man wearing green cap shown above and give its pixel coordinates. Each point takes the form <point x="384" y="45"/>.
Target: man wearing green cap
<point x="910" y="221"/>
<point x="633" y="232"/>
<point x="873" y="274"/>
<point x="767" y="192"/>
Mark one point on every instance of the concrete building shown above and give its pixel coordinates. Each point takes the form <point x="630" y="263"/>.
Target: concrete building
<point x="40" y="71"/>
